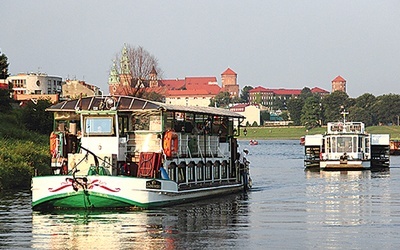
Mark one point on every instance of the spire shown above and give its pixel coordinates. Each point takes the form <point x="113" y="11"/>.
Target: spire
<point x="114" y="77"/>
<point x="125" y="68"/>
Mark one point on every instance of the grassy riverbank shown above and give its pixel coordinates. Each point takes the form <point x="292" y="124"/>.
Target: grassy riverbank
<point x="295" y="132"/>
<point x="21" y="152"/>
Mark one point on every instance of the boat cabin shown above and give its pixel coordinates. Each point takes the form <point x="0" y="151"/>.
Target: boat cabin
<point x="136" y="137"/>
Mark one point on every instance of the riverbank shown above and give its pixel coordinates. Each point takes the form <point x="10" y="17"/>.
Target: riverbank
<point x="295" y="132"/>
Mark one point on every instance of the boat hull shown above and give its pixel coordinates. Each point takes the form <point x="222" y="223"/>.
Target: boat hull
<point x="117" y="192"/>
<point x="345" y="165"/>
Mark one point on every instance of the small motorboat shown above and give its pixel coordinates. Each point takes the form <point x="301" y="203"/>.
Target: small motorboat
<point x="253" y="142"/>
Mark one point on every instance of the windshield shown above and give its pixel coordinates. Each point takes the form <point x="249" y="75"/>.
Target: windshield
<point x="99" y="126"/>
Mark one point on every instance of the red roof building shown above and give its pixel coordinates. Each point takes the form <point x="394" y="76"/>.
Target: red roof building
<point x="339" y="84"/>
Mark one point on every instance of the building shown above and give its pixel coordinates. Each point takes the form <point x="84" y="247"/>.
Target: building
<point x="229" y="82"/>
<point x="73" y="89"/>
<point x="191" y="91"/>
<point x="252" y="113"/>
<point x="273" y="99"/>
<point x="3" y="84"/>
<point x="26" y="86"/>
<point x="339" y="84"/>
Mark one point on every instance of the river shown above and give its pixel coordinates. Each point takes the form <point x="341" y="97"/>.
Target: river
<point x="288" y="208"/>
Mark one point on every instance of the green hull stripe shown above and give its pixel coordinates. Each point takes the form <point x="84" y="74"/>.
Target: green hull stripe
<point x="90" y="200"/>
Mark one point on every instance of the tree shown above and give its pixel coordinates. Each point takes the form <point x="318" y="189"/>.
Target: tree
<point x="244" y="95"/>
<point x="386" y="109"/>
<point x="333" y="105"/>
<point x="5" y="100"/>
<point x="136" y="64"/>
<point x="311" y="112"/>
<point x="265" y="116"/>
<point x="3" y="66"/>
<point x="305" y="93"/>
<point x="35" y="118"/>
<point x="359" y="114"/>
<point x="295" y="106"/>
<point x="153" y="96"/>
<point x="222" y="100"/>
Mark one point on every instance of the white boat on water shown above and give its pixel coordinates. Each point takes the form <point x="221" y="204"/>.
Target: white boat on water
<point x="123" y="152"/>
<point x="346" y="146"/>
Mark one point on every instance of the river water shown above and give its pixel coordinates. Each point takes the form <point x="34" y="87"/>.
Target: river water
<point x="288" y="208"/>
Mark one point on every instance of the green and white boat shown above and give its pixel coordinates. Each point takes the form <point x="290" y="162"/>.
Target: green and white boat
<point x="124" y="152"/>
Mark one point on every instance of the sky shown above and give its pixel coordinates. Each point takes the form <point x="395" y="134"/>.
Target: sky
<point x="269" y="43"/>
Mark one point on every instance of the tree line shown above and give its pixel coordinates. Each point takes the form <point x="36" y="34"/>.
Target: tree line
<point x="312" y="110"/>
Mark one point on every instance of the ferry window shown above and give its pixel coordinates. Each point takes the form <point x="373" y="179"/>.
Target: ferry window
<point x="140" y="121"/>
<point x="367" y="145"/>
<point x="169" y="123"/>
<point x="155" y="123"/>
<point x="99" y="126"/>
<point x="328" y="145"/>
<point x="333" y="144"/>
<point x="123" y="125"/>
<point x="344" y="144"/>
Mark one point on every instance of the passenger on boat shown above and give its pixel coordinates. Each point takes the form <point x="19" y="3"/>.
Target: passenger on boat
<point x="242" y="157"/>
<point x="343" y="157"/>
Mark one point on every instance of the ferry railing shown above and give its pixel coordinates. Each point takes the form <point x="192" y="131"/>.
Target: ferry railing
<point x="202" y="173"/>
<point x="191" y="170"/>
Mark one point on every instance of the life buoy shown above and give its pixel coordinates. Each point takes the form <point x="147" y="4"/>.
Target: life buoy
<point x="170" y="143"/>
<point x="53" y="144"/>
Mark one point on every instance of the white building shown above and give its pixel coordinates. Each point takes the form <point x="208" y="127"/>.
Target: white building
<point x="35" y="84"/>
<point x="251" y="112"/>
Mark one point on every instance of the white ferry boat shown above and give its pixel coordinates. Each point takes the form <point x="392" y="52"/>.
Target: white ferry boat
<point x="346" y="146"/>
<point x="123" y="152"/>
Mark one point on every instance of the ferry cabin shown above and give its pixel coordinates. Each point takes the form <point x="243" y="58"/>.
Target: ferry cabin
<point x="346" y="145"/>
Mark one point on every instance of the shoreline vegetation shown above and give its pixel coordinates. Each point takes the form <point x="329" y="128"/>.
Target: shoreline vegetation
<point x="24" y="153"/>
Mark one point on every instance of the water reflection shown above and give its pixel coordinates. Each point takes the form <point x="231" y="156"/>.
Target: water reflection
<point x="344" y="201"/>
<point x="192" y="225"/>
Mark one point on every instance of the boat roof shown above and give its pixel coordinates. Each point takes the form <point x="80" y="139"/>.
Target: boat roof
<point x="130" y="103"/>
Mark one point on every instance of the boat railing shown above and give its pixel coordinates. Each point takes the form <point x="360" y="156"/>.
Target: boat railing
<point x="197" y="145"/>
<point x="200" y="173"/>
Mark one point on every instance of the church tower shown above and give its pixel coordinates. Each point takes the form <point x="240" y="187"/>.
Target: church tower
<point x="153" y="82"/>
<point x="229" y="82"/>
<point x="113" y="79"/>
<point x="126" y="73"/>
<point x="339" y="84"/>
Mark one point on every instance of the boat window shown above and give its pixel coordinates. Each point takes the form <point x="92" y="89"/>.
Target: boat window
<point x="333" y="144"/>
<point x="123" y="125"/>
<point x="360" y="144"/>
<point x="355" y="144"/>
<point x="155" y="123"/>
<point x="328" y="145"/>
<point x="367" y="145"/>
<point x="344" y="144"/>
<point x="99" y="126"/>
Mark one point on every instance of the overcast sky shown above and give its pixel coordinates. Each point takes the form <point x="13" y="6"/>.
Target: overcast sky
<point x="274" y="44"/>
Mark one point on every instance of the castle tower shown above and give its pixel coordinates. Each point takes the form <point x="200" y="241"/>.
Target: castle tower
<point x="229" y="82"/>
<point x="339" y="84"/>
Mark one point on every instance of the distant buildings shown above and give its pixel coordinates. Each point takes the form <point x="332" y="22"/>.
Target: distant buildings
<point x="251" y="112"/>
<point x="270" y="98"/>
<point x="26" y="86"/>
<point x="188" y="91"/>
<point x="73" y="89"/>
